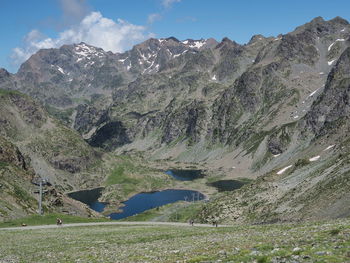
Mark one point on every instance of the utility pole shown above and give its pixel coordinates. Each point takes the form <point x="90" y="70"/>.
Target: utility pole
<point x="40" y="196"/>
<point x="41" y="183"/>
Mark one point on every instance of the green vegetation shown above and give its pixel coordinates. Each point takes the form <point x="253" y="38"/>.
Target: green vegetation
<point x="148" y="215"/>
<point x="334" y="232"/>
<point x="49" y="219"/>
<point x="3" y="165"/>
<point x="4" y="93"/>
<point x="63" y="115"/>
<point x="307" y="242"/>
<point x="21" y="194"/>
<point x="176" y="212"/>
<point x="301" y="162"/>
<point x="254" y="141"/>
<point x="133" y="177"/>
<point x="186" y="212"/>
<point x="62" y="143"/>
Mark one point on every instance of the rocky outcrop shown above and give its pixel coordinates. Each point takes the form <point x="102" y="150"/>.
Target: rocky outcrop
<point x="110" y="136"/>
<point x="280" y="139"/>
<point x="10" y="154"/>
<point x="31" y="111"/>
<point x="88" y="116"/>
<point x="184" y="122"/>
<point x="331" y="109"/>
<point x="7" y="80"/>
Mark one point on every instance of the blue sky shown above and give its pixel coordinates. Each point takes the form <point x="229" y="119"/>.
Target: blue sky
<point x="27" y="25"/>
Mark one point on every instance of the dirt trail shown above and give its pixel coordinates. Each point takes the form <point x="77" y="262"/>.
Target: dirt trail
<point x="111" y="223"/>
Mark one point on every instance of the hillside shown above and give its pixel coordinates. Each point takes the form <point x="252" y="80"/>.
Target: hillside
<point x="33" y="145"/>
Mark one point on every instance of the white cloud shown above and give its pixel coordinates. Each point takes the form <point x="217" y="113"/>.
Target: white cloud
<point x="168" y="3"/>
<point x="94" y="29"/>
<point x="153" y="18"/>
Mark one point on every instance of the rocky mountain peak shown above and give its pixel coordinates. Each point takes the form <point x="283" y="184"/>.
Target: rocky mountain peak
<point x="320" y="27"/>
<point x="4" y="73"/>
<point x="228" y="43"/>
<point x="339" y="20"/>
<point x="7" y="80"/>
<point x="256" y="38"/>
<point x="172" y="39"/>
<point x="317" y="20"/>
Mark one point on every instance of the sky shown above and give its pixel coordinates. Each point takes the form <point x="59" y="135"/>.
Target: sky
<point x="117" y="25"/>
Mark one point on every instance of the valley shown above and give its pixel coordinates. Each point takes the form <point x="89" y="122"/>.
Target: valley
<point x="272" y="114"/>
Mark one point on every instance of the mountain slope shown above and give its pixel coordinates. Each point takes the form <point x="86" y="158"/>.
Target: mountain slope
<point x="315" y="182"/>
<point x="34" y="145"/>
<point x="240" y="110"/>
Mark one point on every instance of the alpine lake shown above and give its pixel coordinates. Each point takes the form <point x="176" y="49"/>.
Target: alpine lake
<point x="148" y="200"/>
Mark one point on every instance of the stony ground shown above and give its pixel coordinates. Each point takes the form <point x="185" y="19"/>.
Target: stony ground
<point x="311" y="242"/>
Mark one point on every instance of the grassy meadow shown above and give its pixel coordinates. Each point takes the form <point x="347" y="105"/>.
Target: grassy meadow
<point x="304" y="242"/>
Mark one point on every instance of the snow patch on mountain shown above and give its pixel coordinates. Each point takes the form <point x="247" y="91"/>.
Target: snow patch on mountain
<point x="331" y="62"/>
<point x="329" y="147"/>
<point x="315" y="158"/>
<point x="197" y="44"/>
<point x="60" y="69"/>
<point x="338" y="40"/>
<point x="284" y="169"/>
<point x="313" y="93"/>
<point x="148" y="69"/>
<point x="84" y="52"/>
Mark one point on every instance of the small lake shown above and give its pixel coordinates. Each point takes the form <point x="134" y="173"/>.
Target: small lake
<point x="185" y="175"/>
<point x="139" y="202"/>
<point x="90" y="198"/>
<point x="145" y="201"/>
<point x="227" y="185"/>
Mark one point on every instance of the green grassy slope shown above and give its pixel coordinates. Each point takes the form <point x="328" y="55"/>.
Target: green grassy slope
<point x="311" y="242"/>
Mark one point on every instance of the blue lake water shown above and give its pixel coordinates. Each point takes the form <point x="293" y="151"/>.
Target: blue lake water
<point x="144" y="201"/>
<point x="90" y="198"/>
<point x="139" y="202"/>
<point x="185" y="175"/>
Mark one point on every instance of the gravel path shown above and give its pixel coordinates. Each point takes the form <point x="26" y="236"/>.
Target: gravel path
<point x="110" y="223"/>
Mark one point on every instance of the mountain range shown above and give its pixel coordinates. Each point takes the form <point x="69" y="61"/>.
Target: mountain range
<point x="275" y="110"/>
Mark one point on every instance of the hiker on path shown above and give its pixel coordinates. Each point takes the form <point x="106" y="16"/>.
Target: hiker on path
<point x="59" y="221"/>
